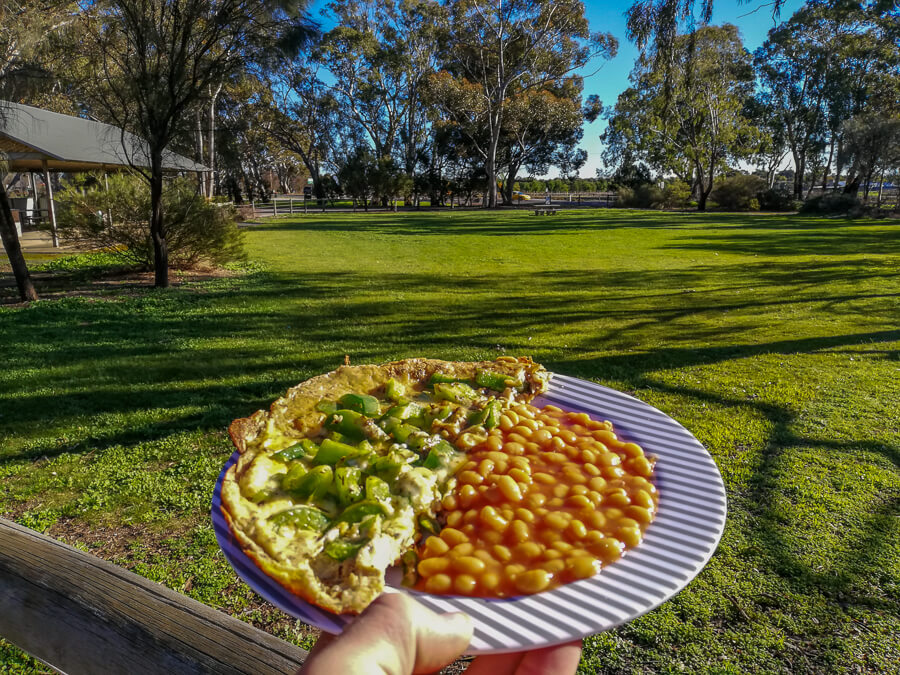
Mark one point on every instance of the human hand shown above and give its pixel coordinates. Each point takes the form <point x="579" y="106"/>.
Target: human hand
<point x="558" y="660"/>
<point x="394" y="636"/>
<point x="398" y="636"/>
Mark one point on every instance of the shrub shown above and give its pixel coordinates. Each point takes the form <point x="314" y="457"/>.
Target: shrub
<point x="197" y="232"/>
<point x="645" y="196"/>
<point x="739" y="192"/>
<point x="775" y="199"/>
<point x="832" y="204"/>
<point x="676" y="194"/>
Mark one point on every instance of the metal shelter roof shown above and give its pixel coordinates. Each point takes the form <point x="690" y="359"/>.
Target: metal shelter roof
<point x="29" y="136"/>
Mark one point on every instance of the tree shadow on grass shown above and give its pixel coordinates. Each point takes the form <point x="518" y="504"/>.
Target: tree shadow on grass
<point x="864" y="545"/>
<point x="508" y="223"/>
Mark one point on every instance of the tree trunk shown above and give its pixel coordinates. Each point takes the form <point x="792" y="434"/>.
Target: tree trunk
<point x="157" y="226"/>
<point x="490" y="167"/>
<point x="828" y="164"/>
<point x="211" y="185"/>
<point x="14" y="249"/>
<point x="853" y="182"/>
<point x="200" y="154"/>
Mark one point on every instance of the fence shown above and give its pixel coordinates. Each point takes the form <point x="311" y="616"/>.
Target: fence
<point x="80" y="614"/>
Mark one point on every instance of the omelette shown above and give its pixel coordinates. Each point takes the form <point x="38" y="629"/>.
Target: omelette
<point x="344" y="474"/>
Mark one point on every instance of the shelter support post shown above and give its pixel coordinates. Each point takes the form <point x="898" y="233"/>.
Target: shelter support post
<point x="50" y="203"/>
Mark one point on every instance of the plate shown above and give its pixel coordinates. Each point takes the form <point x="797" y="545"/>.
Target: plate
<point x="676" y="546"/>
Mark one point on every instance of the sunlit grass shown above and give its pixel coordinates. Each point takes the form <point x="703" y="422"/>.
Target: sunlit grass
<point x="774" y="339"/>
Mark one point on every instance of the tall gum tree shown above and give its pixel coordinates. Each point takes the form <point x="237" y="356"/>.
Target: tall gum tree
<point x="155" y="59"/>
<point x="25" y="62"/>
<point x="494" y="48"/>
<point x="689" y="119"/>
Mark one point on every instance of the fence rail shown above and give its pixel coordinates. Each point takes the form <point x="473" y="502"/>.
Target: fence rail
<point x="80" y="614"/>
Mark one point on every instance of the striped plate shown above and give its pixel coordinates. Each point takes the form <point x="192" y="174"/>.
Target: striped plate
<point x="677" y="544"/>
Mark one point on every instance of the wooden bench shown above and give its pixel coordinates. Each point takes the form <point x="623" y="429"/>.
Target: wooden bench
<point x="545" y="211"/>
<point x="80" y="614"/>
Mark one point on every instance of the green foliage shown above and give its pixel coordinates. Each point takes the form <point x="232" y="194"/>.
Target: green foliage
<point x="645" y="196"/>
<point x="776" y="199"/>
<point x="831" y="204"/>
<point x="687" y="119"/>
<point x="197" y="232"/>
<point x="739" y="192"/>
<point x="676" y="194"/>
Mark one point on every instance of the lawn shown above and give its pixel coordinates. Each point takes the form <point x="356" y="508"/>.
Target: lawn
<point x="774" y="339"/>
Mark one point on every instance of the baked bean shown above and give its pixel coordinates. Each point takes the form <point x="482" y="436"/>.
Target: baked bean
<point x="439" y="583"/>
<point x="465" y="584"/>
<point x="533" y="581"/>
<point x="547" y="497"/>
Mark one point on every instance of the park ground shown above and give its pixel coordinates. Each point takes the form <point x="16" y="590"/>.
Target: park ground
<point x="774" y="339"/>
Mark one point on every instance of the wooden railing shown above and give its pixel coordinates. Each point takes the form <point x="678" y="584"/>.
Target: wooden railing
<point x="80" y="614"/>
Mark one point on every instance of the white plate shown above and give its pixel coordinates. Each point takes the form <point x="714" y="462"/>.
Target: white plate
<point x="676" y="546"/>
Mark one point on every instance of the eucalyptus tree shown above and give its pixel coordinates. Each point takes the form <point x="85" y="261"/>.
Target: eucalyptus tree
<point x="378" y="57"/>
<point x="26" y="30"/>
<point x="495" y="49"/>
<point x="689" y="121"/>
<point x="541" y="130"/>
<point x="155" y="59"/>
<point x="305" y="117"/>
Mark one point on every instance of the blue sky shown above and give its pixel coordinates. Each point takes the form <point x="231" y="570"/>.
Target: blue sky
<point x="752" y="17"/>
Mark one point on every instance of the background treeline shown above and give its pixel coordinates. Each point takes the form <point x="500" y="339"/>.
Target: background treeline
<point x="823" y="91"/>
<point x="428" y="100"/>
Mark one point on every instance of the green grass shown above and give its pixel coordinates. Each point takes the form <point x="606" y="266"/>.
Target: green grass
<point x="774" y="339"/>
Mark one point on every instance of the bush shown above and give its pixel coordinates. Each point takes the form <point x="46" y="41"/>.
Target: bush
<point x="775" y="199"/>
<point x="676" y="194"/>
<point x="645" y="196"/>
<point x="832" y="204"/>
<point x="197" y="232"/>
<point x="738" y="193"/>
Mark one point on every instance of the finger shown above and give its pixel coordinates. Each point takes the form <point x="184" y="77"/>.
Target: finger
<point x="394" y="635"/>
<point x="560" y="660"/>
<point x="496" y="664"/>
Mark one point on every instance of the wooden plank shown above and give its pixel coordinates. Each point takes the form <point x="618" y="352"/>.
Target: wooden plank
<point x="81" y="614"/>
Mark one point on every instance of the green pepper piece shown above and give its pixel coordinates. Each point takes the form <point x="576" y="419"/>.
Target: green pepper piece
<point x="327" y="407"/>
<point x="441" y="412"/>
<point x="291" y="480"/>
<point x="341" y="549"/>
<point x="360" y="510"/>
<point x="361" y="403"/>
<point x="348" y="423"/>
<point x="439" y="455"/>
<point x="305" y="448"/>
<point x="387" y="466"/>
<point x="346" y="481"/>
<point x="389" y="423"/>
<point x="394" y="390"/>
<point x="377" y="489"/>
<point x="494" y="380"/>
<point x="315" y="484"/>
<point x="456" y="392"/>
<point x="406" y="410"/>
<point x="301" y="518"/>
<point x="429" y="524"/>
<point x="331" y="452"/>
<point x="402" y="432"/>
<point x="261" y="496"/>
<point x="489" y="416"/>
